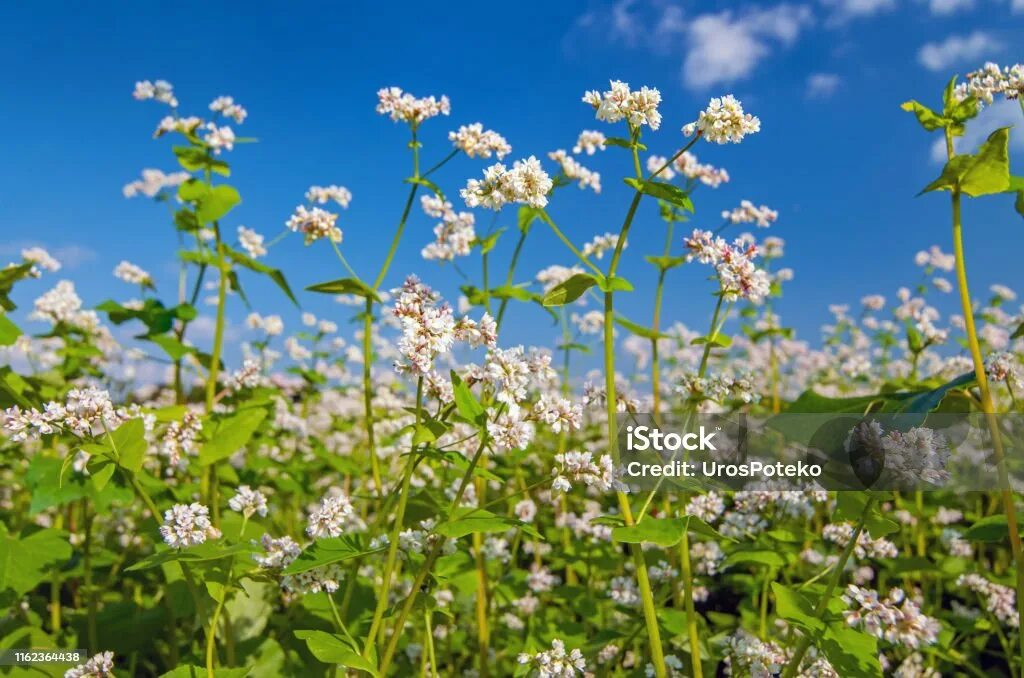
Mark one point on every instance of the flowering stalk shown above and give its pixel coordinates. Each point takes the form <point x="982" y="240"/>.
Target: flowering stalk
<point x="644" y="584"/>
<point x="986" y="396"/>
<point x="691" y="614"/>
<point x="656" y="326"/>
<point x="837" y="573"/>
<point x="389" y="565"/>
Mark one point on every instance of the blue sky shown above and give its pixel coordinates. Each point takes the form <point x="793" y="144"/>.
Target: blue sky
<point x="836" y="156"/>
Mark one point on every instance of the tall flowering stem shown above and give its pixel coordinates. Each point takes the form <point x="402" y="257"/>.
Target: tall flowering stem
<point x="837" y="573"/>
<point x="986" y="396"/>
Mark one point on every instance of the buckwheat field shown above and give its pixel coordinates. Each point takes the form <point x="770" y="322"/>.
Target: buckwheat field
<point x="394" y="489"/>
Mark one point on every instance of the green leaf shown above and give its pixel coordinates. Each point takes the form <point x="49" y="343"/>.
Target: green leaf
<point x="570" y="290"/>
<point x="273" y="273"/>
<point x="488" y="243"/>
<point x="230" y="435"/>
<point x="469" y="521"/>
<point x="333" y="649"/>
<point x="427" y="184"/>
<point x="664" y="532"/>
<point x="665" y="262"/>
<point x="639" y="330"/>
<point x="662" y="190"/>
<point x="794" y="608"/>
<point x="922" y="403"/>
<point x="346" y="286"/>
<point x="984" y="173"/>
<point x="331" y="550"/>
<point x="719" y="339"/>
<point x="170" y="345"/>
<point x="129" y="440"/>
<point x="757" y="557"/>
<point x="990" y="529"/>
<point x="205" y="552"/>
<point x="193" y="158"/>
<point x="928" y="118"/>
<point x="527" y="215"/>
<point x="614" y="284"/>
<point x="9" y="332"/>
<point x="469" y="407"/>
<point x="27" y="560"/>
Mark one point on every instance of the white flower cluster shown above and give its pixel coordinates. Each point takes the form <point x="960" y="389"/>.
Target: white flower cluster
<point x="404" y="107"/>
<point x="187" y="525"/>
<point x="1000" y="600"/>
<point x="841" y="533"/>
<point x="161" y="91"/>
<point x="573" y="170"/>
<point x="748" y="213"/>
<point x="526" y="183"/>
<point x="334" y="516"/>
<point x="86" y="411"/>
<point x="746" y="655"/>
<point x="314" y="223"/>
<point x="251" y="242"/>
<point x="738" y="277"/>
<point x="721" y="389"/>
<point x="912" y="456"/>
<point x="98" y="666"/>
<point x="601" y="244"/>
<point x="227" y="107"/>
<point x="325" y="579"/>
<point x="277" y="553"/>
<point x="132" y="274"/>
<point x="620" y="103"/>
<point x="595" y="395"/>
<point x="580" y="467"/>
<point x="219" y="138"/>
<point x="935" y="258"/>
<point x="558" y="413"/>
<point x="321" y="195"/>
<point x="248" y="502"/>
<point x="271" y="324"/>
<point x="476" y="142"/>
<point x="990" y="80"/>
<point x="41" y="258"/>
<point x="724" y="121"/>
<point x="895" y="618"/>
<point x="429" y="329"/>
<point x="63" y="305"/>
<point x="688" y="165"/>
<point x="172" y="123"/>
<point x="1003" y="366"/>
<point x="454" y="235"/>
<point x="708" y="507"/>
<point x="179" y="441"/>
<point x="589" y="142"/>
<point x="153" y="181"/>
<point x="556" y="662"/>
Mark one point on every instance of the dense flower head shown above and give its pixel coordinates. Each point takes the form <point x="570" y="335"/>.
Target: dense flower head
<point x="321" y="195"/>
<point x="277" y="553"/>
<point x="601" y="244"/>
<point x="638" y="107"/>
<point x="738" y="276"/>
<point x="842" y="533"/>
<point x="916" y="455"/>
<point x="333" y="517"/>
<point x="219" y="137"/>
<point x="404" y="107"/>
<point x="314" y="223"/>
<point x="187" y="525"/>
<point x="454" y="236"/>
<point x="85" y="412"/>
<point x="746" y="655"/>
<point x="98" y="666"/>
<point x="1003" y="366"/>
<point x="1000" y="600"/>
<point x="251" y="242"/>
<point x="688" y="166"/>
<point x="935" y="258"/>
<point x="724" y="121"/>
<point x="749" y="213"/>
<point x="248" y="502"/>
<point x="589" y="142"/>
<point x="161" y="91"/>
<point x="581" y="467"/>
<point x="560" y="414"/>
<point x="154" y="181"/>
<point x="227" y="107"/>
<point x="895" y="618"/>
<point x="130" y="273"/>
<point x="41" y="258"/>
<point x="172" y="123"/>
<point x="525" y="183"/>
<point x="63" y="305"/>
<point x="476" y="142"/>
<point x="991" y="80"/>
<point x="573" y="170"/>
<point x="179" y="441"/>
<point x="556" y="662"/>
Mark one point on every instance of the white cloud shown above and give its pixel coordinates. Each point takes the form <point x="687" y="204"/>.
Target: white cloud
<point x="847" y="10"/>
<point x="956" y="49"/>
<point x="1002" y="113"/>
<point x="726" y="47"/>
<point x="945" y="7"/>
<point x="1017" y="6"/>
<point x="822" y="85"/>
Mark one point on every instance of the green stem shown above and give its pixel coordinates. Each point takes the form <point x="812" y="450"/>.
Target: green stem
<point x="368" y="395"/>
<point x="344" y="262"/>
<point x="392" y="558"/>
<point x="837" y="573"/>
<point x="511" y="270"/>
<point x="568" y="243"/>
<point x="691" y="613"/>
<point x="211" y="635"/>
<point x="90" y="590"/>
